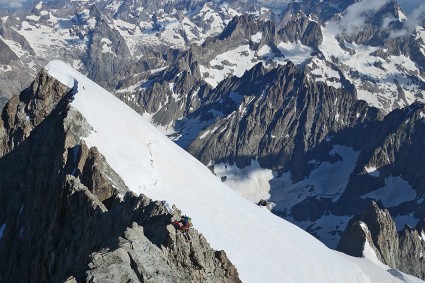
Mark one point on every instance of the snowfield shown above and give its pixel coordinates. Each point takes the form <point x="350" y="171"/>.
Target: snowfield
<point x="263" y="247"/>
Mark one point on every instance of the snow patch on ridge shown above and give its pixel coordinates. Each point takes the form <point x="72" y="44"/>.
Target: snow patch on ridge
<point x="54" y="68"/>
<point x="372" y="171"/>
<point x="369" y="253"/>
<point x="395" y="192"/>
<point x="231" y="63"/>
<point x="296" y="52"/>
<point x="403" y="220"/>
<point x="256" y="38"/>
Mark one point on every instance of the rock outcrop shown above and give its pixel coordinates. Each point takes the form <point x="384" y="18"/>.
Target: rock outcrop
<point x="67" y="216"/>
<point x="401" y="250"/>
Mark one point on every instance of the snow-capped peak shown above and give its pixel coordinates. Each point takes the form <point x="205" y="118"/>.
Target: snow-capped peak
<point x="262" y="246"/>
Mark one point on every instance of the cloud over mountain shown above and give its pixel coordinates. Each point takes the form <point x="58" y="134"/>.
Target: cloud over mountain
<point x="357" y="14"/>
<point x="12" y="4"/>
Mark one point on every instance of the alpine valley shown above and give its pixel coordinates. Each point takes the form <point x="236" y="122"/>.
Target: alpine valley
<point x="306" y="113"/>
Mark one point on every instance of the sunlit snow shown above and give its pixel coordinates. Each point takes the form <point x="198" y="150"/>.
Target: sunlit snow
<point x="296" y="52"/>
<point x="382" y="83"/>
<point x="372" y="171"/>
<point x="263" y="247"/>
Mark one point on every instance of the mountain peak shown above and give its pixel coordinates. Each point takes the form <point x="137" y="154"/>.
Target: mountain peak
<point x="140" y="154"/>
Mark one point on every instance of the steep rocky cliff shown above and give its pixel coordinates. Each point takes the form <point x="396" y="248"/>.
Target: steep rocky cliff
<point x="66" y="215"/>
<point x="401" y="250"/>
<point x="276" y="116"/>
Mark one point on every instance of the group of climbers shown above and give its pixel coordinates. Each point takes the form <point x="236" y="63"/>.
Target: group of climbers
<point x="184" y="223"/>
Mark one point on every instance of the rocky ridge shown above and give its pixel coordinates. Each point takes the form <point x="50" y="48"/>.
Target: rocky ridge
<point x="66" y="215"/>
<point x="401" y="250"/>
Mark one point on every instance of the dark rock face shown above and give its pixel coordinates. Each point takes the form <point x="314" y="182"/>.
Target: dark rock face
<point x="22" y="113"/>
<point x="375" y="227"/>
<point x="104" y="44"/>
<point x="66" y="215"/>
<point x="279" y="121"/>
<point x="304" y="30"/>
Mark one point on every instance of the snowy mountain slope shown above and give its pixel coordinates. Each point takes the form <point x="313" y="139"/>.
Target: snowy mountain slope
<point x="382" y="78"/>
<point x="387" y="73"/>
<point x="263" y="247"/>
<point x="84" y="34"/>
<point x="106" y="38"/>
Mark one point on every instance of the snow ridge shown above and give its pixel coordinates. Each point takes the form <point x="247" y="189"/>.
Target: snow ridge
<point x="263" y="247"/>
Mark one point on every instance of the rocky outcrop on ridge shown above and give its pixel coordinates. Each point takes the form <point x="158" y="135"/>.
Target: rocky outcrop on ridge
<point x="67" y="216"/>
<point x="375" y="227"/>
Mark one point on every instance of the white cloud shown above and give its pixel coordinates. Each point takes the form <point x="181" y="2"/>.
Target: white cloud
<point x="386" y="22"/>
<point x="414" y="18"/>
<point x="12" y="3"/>
<point x="357" y="14"/>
